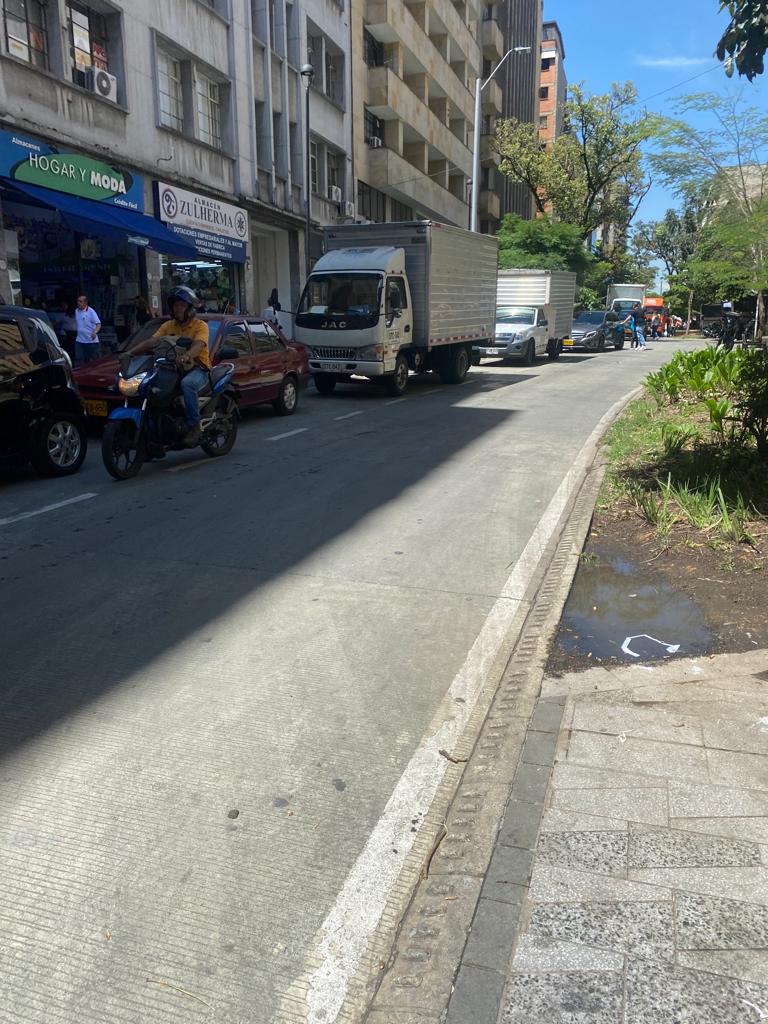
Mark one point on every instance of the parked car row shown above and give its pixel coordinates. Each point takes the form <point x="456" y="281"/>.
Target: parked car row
<point x="522" y="333"/>
<point x="45" y="404"/>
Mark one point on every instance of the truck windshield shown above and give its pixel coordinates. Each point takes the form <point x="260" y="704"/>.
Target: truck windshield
<point x="340" y="301"/>
<point x="515" y="315"/>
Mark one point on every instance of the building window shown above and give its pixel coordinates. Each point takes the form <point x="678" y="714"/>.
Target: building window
<point x="88" y="41"/>
<point x="171" y="92"/>
<point x="373" y="127"/>
<point x="399" y="211"/>
<point x="25" y="31"/>
<point x="208" y="110"/>
<point x="313" y="165"/>
<point x="334" y="169"/>
<point x="334" y="76"/>
<point x="546" y="63"/>
<point x="371" y="203"/>
<point x="543" y="121"/>
<point x="544" y="92"/>
<point x="373" y="50"/>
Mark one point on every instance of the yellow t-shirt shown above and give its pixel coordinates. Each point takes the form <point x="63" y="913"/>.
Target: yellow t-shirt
<point x="195" y="330"/>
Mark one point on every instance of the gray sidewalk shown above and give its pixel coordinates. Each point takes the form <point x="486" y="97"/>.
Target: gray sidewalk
<point x="629" y="879"/>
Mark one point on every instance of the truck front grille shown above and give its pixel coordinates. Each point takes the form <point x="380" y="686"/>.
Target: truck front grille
<point x="334" y="353"/>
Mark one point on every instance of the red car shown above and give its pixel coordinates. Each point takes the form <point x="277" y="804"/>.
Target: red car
<point x="269" y="370"/>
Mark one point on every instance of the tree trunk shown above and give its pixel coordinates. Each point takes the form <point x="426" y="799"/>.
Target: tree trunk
<point x="690" y="311"/>
<point x="759" y="319"/>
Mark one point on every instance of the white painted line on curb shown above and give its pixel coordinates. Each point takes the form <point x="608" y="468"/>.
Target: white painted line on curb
<point x="288" y="433"/>
<point x="47" y="508"/>
<point x="349" y="415"/>
<point x="358" y="908"/>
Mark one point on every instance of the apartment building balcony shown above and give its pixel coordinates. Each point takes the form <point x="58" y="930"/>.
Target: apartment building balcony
<point x="492" y="40"/>
<point x="492" y="101"/>
<point x="458" y="30"/>
<point x="488" y="153"/>
<point x="390" y="21"/>
<point x="413" y="189"/>
<point x="389" y="97"/>
<point x="489" y="205"/>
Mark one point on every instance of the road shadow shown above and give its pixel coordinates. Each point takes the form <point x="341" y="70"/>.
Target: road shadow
<point x="94" y="603"/>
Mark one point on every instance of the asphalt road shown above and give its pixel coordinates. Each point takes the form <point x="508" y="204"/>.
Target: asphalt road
<point x="215" y="676"/>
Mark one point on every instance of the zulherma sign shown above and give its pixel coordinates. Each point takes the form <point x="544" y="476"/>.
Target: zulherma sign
<point x="31" y="162"/>
<point x="216" y="229"/>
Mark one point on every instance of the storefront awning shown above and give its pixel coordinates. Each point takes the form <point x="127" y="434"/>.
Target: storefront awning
<point x="90" y="218"/>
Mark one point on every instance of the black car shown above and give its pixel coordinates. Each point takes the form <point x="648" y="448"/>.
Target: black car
<point x="42" y="419"/>
<point x="593" y="328"/>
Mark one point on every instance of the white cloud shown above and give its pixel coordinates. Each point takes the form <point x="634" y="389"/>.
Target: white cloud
<point x="675" y="63"/>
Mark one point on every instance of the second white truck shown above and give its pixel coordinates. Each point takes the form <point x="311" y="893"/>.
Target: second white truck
<point x="533" y="316"/>
<point x="387" y="299"/>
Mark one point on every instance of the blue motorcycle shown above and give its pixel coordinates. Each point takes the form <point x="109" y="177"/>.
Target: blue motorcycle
<point x="152" y="422"/>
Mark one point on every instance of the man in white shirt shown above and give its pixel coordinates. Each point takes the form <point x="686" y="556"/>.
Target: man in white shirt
<point x="87" y="345"/>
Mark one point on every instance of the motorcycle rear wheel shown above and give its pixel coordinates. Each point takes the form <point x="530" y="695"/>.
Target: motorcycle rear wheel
<point x="122" y="449"/>
<point x="219" y="439"/>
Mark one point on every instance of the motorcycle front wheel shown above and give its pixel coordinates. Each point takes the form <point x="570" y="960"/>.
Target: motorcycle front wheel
<point x="122" y="449"/>
<point x="219" y="439"/>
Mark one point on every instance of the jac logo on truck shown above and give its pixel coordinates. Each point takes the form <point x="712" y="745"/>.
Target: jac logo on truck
<point x="333" y="325"/>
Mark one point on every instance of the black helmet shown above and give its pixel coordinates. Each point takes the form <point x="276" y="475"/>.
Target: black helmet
<point x="182" y="294"/>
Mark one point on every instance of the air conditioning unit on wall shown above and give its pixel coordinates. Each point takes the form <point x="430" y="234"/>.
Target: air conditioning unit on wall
<point x="103" y="84"/>
<point x="334" y="193"/>
<point x="374" y="142"/>
<point x="349" y="209"/>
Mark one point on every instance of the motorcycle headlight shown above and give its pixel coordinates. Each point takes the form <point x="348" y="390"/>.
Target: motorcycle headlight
<point x="130" y="387"/>
<point x="374" y="352"/>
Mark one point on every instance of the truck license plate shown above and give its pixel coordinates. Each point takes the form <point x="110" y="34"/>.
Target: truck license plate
<point x="334" y="367"/>
<point x="495" y="351"/>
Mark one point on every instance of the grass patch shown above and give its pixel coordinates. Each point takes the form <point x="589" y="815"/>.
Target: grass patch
<point x="670" y="464"/>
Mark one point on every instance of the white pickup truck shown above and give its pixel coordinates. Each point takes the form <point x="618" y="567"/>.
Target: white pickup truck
<point x="522" y="332"/>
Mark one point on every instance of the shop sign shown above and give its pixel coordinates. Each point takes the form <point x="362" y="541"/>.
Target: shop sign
<point x="26" y="160"/>
<point x="218" y="230"/>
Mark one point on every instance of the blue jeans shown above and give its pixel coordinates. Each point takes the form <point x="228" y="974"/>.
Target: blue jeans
<point x="191" y="384"/>
<point x="85" y="351"/>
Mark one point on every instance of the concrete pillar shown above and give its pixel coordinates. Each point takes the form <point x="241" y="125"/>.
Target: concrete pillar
<point x="419" y="12"/>
<point x="438" y="172"/>
<point x="419" y="86"/>
<point x="393" y="58"/>
<point x="440" y="107"/>
<point x="393" y="135"/>
<point x="417" y="153"/>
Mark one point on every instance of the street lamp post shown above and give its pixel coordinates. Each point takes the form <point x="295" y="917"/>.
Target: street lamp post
<point x="479" y="86"/>
<point x="307" y="73"/>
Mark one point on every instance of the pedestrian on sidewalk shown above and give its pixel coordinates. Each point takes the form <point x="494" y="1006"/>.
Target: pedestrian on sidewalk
<point x="87" y="345"/>
<point x="637" y="323"/>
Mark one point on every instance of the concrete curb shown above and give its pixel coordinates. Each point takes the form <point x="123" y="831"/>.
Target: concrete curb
<point x="453" y="945"/>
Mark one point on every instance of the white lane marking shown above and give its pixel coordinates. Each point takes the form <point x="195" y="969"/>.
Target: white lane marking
<point x="288" y="433"/>
<point x="395" y="401"/>
<point x="359" y="905"/>
<point x="190" y="465"/>
<point x="349" y="415"/>
<point x="47" y="508"/>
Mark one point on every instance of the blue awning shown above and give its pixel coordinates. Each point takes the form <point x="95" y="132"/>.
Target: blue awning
<point x="90" y="218"/>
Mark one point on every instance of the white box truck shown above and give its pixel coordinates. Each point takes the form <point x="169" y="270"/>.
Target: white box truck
<point x="534" y="314"/>
<point x="389" y="298"/>
<point x="622" y="297"/>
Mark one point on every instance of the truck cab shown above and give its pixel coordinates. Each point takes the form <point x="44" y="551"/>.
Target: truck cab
<point x="356" y="315"/>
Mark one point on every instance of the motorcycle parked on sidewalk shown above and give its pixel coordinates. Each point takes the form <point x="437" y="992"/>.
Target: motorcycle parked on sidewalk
<point x="152" y="421"/>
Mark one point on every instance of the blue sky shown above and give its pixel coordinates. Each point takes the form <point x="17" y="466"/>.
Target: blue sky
<point x="655" y="44"/>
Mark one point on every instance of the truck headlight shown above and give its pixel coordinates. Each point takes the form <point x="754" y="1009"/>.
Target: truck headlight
<point x="371" y="352"/>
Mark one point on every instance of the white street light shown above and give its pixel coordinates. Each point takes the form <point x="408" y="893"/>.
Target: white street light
<point x="307" y="72"/>
<point x="479" y="86"/>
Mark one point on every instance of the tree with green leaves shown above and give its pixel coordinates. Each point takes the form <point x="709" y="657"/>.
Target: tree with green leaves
<point x="673" y="241"/>
<point x="541" y="243"/>
<point x="743" y="44"/>
<point x="723" y="171"/>
<point x="592" y="174"/>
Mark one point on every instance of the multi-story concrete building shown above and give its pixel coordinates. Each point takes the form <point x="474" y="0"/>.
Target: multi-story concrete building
<point x="521" y="22"/>
<point x="414" y="69"/>
<point x="147" y="143"/>
<point x="553" y="84"/>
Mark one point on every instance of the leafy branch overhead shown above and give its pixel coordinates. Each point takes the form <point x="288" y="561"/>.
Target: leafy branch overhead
<point x="592" y="174"/>
<point x="745" y="40"/>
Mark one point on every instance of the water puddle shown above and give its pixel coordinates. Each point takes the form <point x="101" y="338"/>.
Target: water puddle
<point x="617" y="609"/>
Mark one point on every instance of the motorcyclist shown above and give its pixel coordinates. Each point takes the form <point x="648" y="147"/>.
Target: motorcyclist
<point x="195" y="362"/>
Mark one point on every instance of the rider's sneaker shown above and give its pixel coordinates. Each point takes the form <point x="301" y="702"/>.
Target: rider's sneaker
<point x="192" y="436"/>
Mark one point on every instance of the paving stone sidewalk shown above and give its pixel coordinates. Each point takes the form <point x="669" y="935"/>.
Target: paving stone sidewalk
<point x="629" y="881"/>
